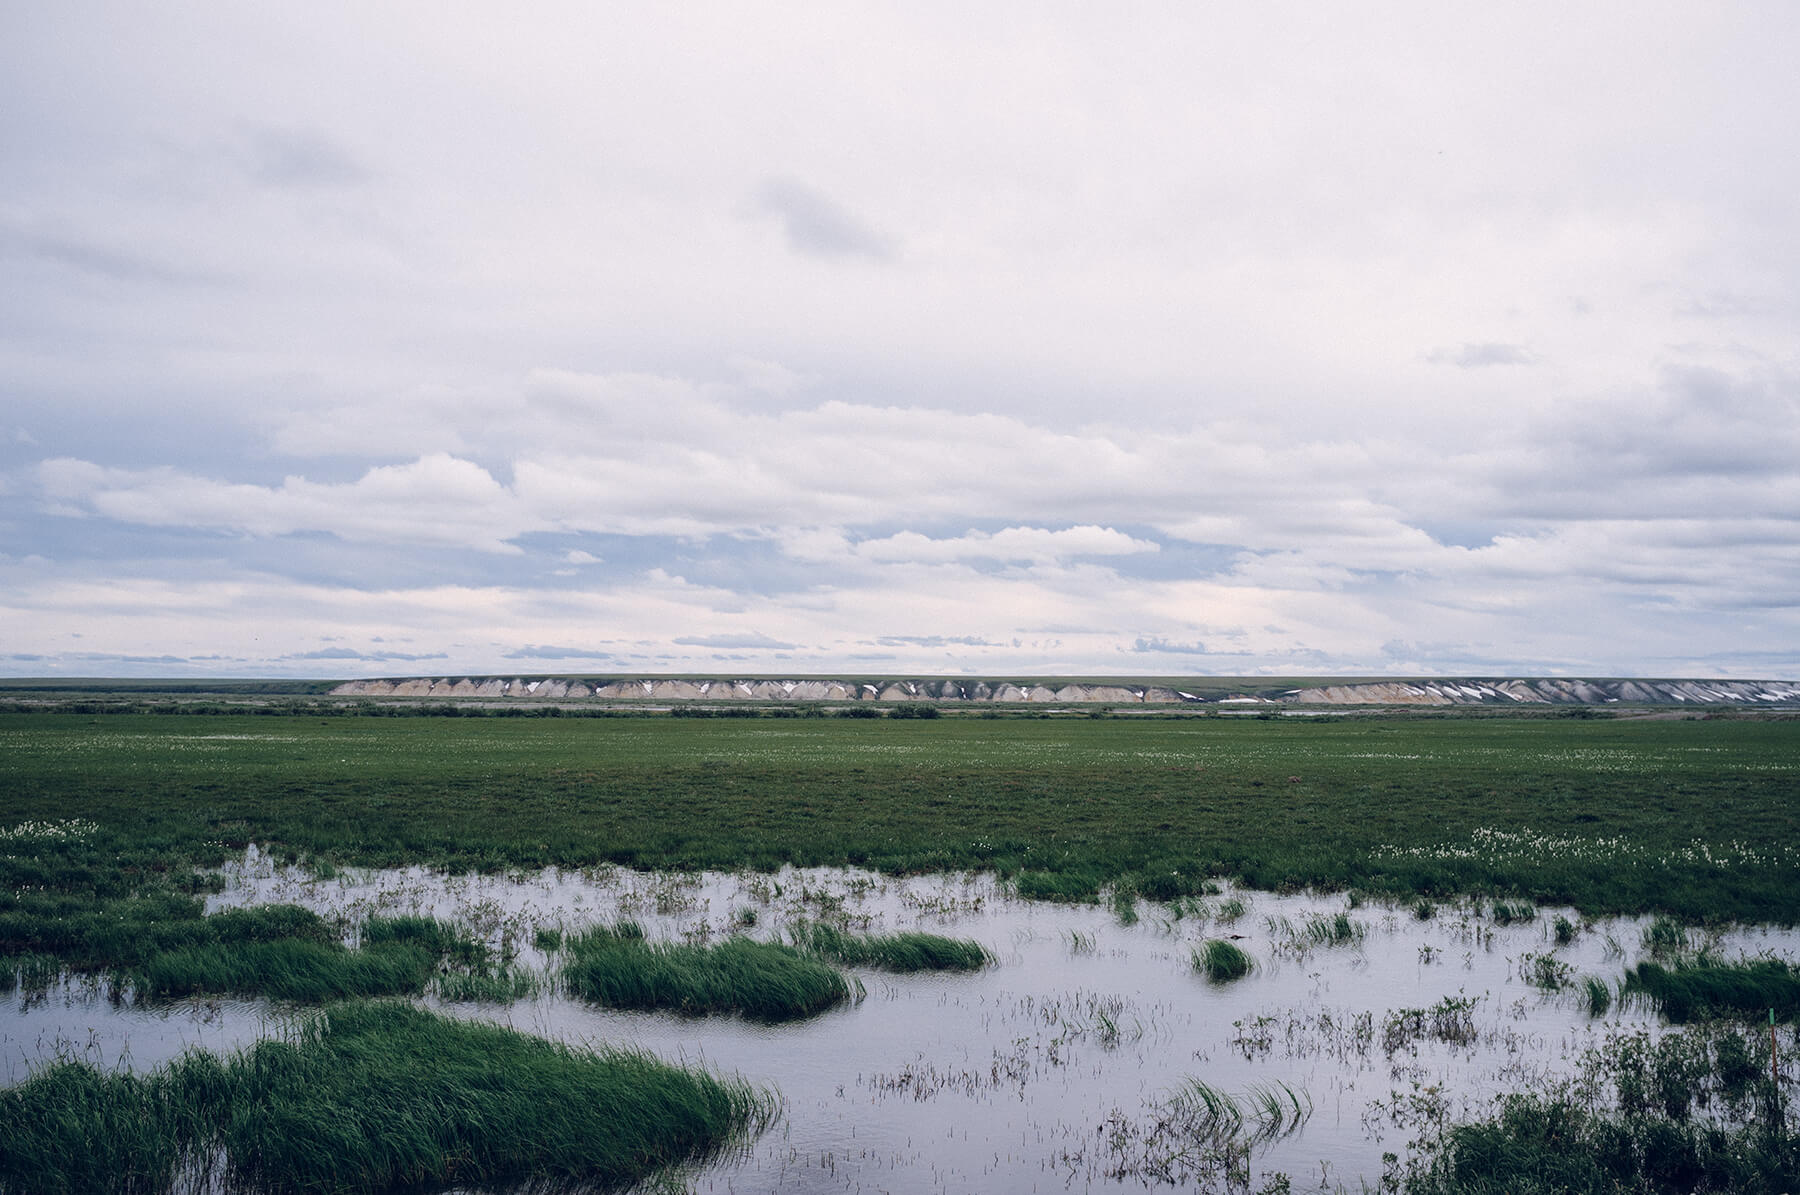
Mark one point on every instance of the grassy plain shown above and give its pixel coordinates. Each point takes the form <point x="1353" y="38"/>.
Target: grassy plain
<point x="108" y="822"/>
<point x="1696" y="818"/>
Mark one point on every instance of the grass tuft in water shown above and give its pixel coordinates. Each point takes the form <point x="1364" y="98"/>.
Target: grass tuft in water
<point x="1665" y="937"/>
<point x="1222" y="961"/>
<point x="1338" y="929"/>
<point x="288" y="969"/>
<point x="28" y="973"/>
<point x="1702" y="988"/>
<point x="437" y="938"/>
<point x="501" y="986"/>
<point x="1320" y="929"/>
<point x="911" y="951"/>
<point x="290" y="953"/>
<point x="1509" y="912"/>
<point x="1542" y="1146"/>
<point x="1071" y="887"/>
<point x="1599" y="995"/>
<point x="1451" y="1020"/>
<point x="1695" y="1110"/>
<point x="1201" y="1138"/>
<point x="614" y="966"/>
<point x="1264" y="1112"/>
<point x="371" y="1097"/>
<point x="1546" y="971"/>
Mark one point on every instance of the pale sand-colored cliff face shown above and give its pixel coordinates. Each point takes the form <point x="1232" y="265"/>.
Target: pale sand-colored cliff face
<point x="1489" y="691"/>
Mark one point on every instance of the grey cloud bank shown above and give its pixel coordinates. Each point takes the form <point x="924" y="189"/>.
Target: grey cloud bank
<point x="1270" y="341"/>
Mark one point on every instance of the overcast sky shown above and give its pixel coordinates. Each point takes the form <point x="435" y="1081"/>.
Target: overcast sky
<point x="351" y="339"/>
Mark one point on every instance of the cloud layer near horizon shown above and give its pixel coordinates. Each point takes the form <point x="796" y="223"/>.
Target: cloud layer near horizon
<point x="342" y="343"/>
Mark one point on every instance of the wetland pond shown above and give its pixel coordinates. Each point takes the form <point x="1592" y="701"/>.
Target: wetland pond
<point x="1091" y="1054"/>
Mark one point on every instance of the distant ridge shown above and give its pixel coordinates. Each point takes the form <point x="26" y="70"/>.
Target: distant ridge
<point x="1207" y="691"/>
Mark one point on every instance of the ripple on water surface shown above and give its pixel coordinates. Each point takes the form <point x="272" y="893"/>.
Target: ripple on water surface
<point x="1091" y="1055"/>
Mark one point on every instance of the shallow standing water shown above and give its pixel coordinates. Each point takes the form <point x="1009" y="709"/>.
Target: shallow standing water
<point x="1051" y="1070"/>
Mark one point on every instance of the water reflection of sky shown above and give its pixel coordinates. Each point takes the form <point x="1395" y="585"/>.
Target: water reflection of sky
<point x="1046" y="1071"/>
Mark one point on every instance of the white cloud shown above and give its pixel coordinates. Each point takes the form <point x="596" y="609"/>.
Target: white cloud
<point x="815" y="225"/>
<point x="1027" y="544"/>
<point x="1480" y="356"/>
<point x="910" y="328"/>
<point x="278" y="157"/>
<point x="746" y="640"/>
<point x="436" y="500"/>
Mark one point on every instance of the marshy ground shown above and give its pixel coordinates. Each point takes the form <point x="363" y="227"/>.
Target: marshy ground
<point x="1464" y="904"/>
<point x="1088" y="1053"/>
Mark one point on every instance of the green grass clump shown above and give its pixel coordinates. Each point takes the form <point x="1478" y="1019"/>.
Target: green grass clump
<point x="1451" y="1019"/>
<point x="28" y="972"/>
<point x="1545" y="971"/>
<point x="1558" y="1146"/>
<point x="289" y="969"/>
<point x="501" y="986"/>
<point x="1598" y="994"/>
<point x="1318" y="929"/>
<point x="1702" y="988"/>
<point x="1071" y="887"/>
<point x="1222" y="961"/>
<point x="1338" y="929"/>
<point x="1507" y="912"/>
<point x="614" y="966"/>
<point x="437" y="938"/>
<point x="1263" y="1113"/>
<point x="290" y="953"/>
<point x="910" y="951"/>
<point x="1692" y="1110"/>
<point x="1664" y="937"/>
<point x="371" y="1097"/>
<point x="118" y="925"/>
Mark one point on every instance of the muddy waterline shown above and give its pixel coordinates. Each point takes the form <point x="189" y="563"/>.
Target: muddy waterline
<point x="1051" y="1070"/>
